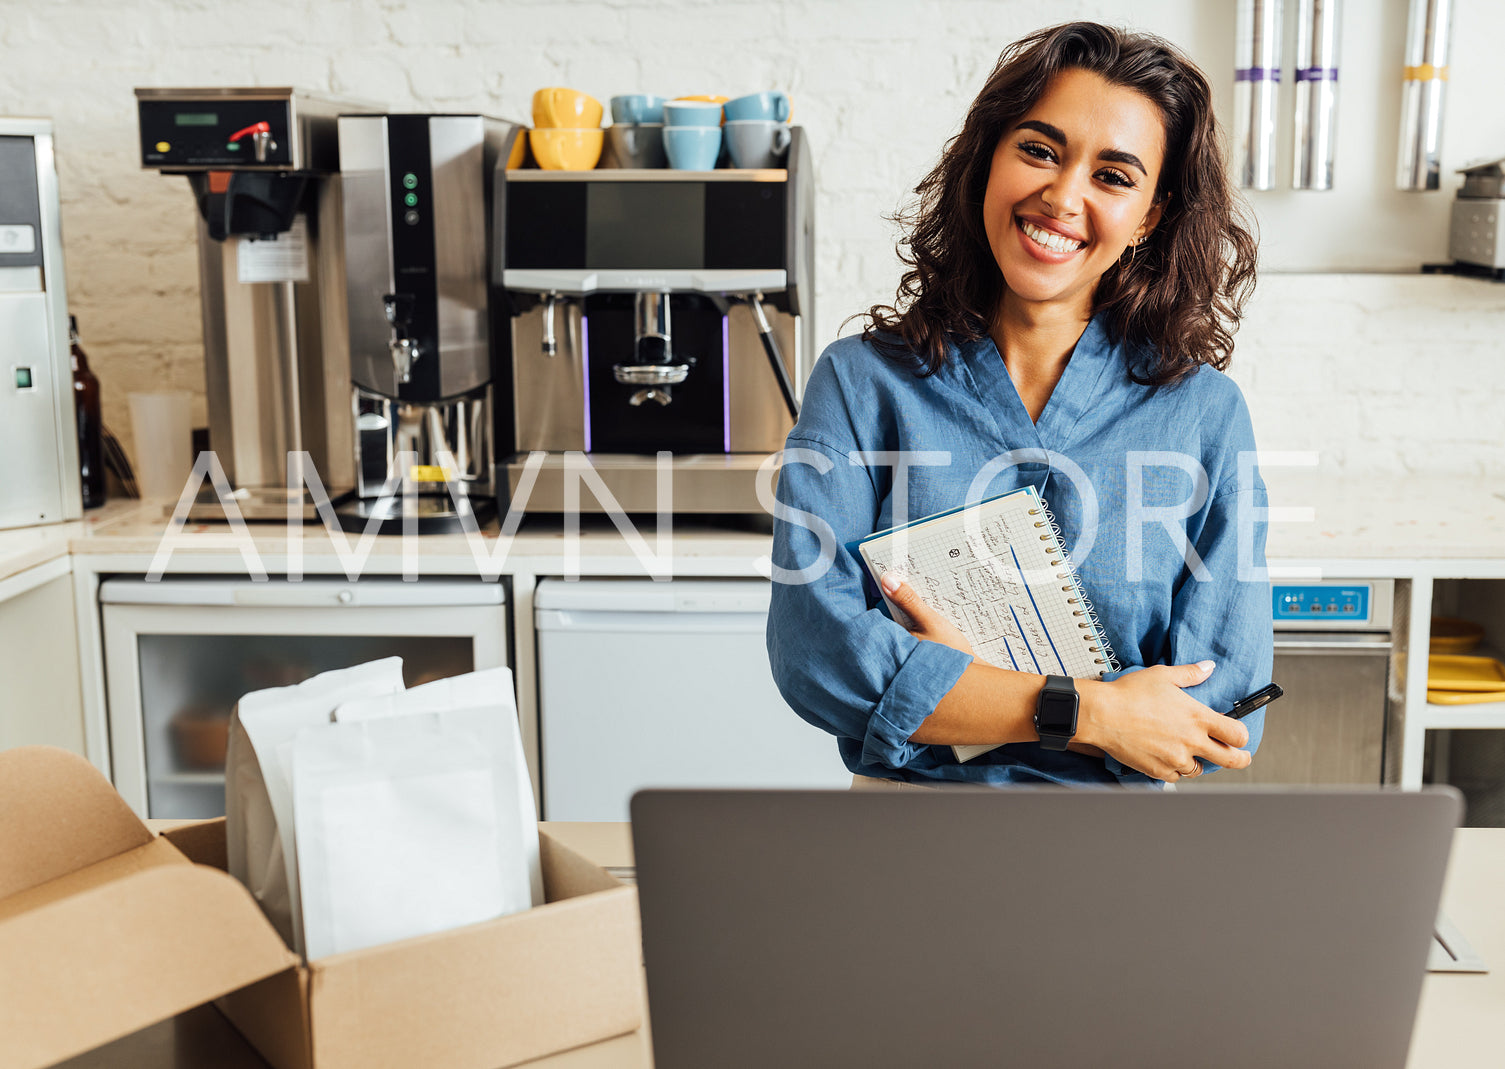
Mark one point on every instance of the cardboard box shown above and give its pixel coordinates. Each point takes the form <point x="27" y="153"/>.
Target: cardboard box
<point x="105" y="929"/>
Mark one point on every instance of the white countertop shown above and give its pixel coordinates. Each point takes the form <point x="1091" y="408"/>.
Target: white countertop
<point x="1350" y="528"/>
<point x="1400" y="520"/>
<point x="127" y="535"/>
<point x="27" y="547"/>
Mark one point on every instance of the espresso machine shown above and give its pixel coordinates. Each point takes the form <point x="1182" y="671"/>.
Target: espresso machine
<point x="423" y="324"/>
<point x="263" y="165"/>
<point x="654" y="311"/>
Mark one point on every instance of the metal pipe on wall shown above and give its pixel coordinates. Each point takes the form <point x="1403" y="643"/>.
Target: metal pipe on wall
<point x="1256" y="77"/>
<point x="1423" y="88"/>
<point x="1316" y="93"/>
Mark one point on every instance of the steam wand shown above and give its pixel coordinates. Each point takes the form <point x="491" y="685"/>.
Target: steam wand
<point x="775" y="356"/>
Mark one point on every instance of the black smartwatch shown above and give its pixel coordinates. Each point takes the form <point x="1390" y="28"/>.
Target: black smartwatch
<point x="1055" y="712"/>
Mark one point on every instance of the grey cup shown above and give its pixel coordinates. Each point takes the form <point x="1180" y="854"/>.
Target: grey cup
<point x="637" y="144"/>
<point x="756" y="143"/>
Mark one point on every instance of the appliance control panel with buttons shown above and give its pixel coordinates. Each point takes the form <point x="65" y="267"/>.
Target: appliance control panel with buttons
<point x="215" y="132"/>
<point x="1332" y="605"/>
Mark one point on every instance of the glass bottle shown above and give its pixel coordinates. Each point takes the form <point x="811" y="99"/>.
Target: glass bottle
<point x="91" y="460"/>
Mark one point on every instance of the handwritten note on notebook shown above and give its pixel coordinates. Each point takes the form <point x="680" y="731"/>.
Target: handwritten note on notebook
<point x="998" y="571"/>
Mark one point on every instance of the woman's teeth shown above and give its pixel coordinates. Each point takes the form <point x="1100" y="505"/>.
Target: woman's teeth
<point x="1049" y="240"/>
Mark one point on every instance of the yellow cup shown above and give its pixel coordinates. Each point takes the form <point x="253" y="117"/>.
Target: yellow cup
<point x="519" y="151"/>
<point x="565" y="108"/>
<point x="566" y="149"/>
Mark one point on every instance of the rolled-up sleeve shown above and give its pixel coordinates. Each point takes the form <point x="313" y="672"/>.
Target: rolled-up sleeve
<point x="841" y="665"/>
<point x="1226" y="618"/>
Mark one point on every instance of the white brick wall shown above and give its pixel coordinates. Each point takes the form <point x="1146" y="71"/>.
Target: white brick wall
<point x="1379" y="373"/>
<point x="1383" y="374"/>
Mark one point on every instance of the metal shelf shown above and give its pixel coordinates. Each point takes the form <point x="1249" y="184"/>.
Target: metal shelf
<point x="648" y="174"/>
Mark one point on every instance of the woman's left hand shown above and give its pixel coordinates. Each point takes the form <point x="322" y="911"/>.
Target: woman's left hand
<point x="929" y="624"/>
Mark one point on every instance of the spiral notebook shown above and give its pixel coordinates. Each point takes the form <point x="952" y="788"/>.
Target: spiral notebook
<point x="999" y="571"/>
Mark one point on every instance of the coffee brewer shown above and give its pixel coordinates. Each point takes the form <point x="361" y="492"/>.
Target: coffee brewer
<point x="420" y="313"/>
<point x="655" y="310"/>
<point x="263" y="166"/>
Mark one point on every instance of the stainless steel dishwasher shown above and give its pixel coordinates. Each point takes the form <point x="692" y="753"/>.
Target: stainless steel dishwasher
<point x="1333" y="655"/>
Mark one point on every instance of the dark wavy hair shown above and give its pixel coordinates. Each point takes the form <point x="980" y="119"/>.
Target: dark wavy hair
<point x="1176" y="301"/>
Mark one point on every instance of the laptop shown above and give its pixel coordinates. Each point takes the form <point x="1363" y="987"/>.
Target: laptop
<point x="1038" y="928"/>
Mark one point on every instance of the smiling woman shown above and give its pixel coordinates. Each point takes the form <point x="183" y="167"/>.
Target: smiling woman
<point x="1080" y="124"/>
<point x="1075" y="270"/>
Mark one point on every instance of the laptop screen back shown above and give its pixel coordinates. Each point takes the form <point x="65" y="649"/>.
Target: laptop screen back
<point x="1038" y="927"/>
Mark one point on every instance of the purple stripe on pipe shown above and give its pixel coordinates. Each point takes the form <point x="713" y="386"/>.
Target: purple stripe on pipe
<point x="1257" y="74"/>
<point x="726" y="387"/>
<point x="585" y="375"/>
<point x="1317" y="74"/>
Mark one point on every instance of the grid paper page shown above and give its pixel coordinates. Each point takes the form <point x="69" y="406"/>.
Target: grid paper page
<point x="987" y="570"/>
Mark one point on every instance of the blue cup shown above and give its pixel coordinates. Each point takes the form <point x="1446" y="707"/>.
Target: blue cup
<point x="637" y="108"/>
<point x="692" y="148"/>
<point x="771" y="106"/>
<point x="691" y="113"/>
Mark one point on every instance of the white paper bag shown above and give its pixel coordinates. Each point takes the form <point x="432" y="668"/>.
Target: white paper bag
<point x="415" y="815"/>
<point x="259" y="829"/>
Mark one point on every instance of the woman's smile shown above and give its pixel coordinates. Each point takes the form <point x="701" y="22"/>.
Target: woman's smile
<point x="1052" y="244"/>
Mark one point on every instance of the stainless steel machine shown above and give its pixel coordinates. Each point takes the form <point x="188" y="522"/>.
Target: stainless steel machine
<point x="423" y="342"/>
<point x="655" y="310"/>
<point x="1476" y="234"/>
<point x="1336" y="655"/>
<point x="37" y="436"/>
<point x="262" y="165"/>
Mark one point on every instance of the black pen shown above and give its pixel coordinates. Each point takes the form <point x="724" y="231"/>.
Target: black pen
<point x="1258" y="700"/>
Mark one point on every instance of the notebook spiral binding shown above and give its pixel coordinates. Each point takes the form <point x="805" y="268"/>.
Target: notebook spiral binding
<point x="1089" y="621"/>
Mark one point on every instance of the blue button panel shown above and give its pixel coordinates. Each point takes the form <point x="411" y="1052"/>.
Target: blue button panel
<point x="1307" y="602"/>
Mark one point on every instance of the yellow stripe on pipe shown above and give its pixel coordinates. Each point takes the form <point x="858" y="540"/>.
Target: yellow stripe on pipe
<point x="1424" y="73"/>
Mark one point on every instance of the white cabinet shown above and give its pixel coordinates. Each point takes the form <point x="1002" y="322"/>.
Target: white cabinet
<point x="179" y="653"/>
<point x="39" y="679"/>
<point x="664" y="685"/>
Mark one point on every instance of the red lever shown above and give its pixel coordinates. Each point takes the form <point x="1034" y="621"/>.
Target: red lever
<point x="254" y="128"/>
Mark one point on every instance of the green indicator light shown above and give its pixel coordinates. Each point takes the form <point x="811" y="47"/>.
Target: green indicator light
<point x="410" y="199"/>
<point x="23" y="378"/>
<point x="409" y="181"/>
<point x="233" y="146"/>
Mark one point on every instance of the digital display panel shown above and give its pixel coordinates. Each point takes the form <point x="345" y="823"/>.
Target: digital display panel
<point x="605" y="225"/>
<point x="645" y="225"/>
<point x="195" y="118"/>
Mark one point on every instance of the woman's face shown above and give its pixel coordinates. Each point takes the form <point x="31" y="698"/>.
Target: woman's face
<point x="1072" y="183"/>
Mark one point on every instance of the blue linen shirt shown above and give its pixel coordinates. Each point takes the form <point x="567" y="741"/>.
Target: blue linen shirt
<point x="844" y="666"/>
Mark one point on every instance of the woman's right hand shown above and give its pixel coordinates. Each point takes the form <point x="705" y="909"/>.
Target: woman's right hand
<point x="1146" y="721"/>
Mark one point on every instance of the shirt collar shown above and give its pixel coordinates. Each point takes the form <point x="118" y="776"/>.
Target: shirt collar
<point x="1073" y="395"/>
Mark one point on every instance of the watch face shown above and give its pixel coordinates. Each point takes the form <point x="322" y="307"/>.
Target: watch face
<point x="1056" y="714"/>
